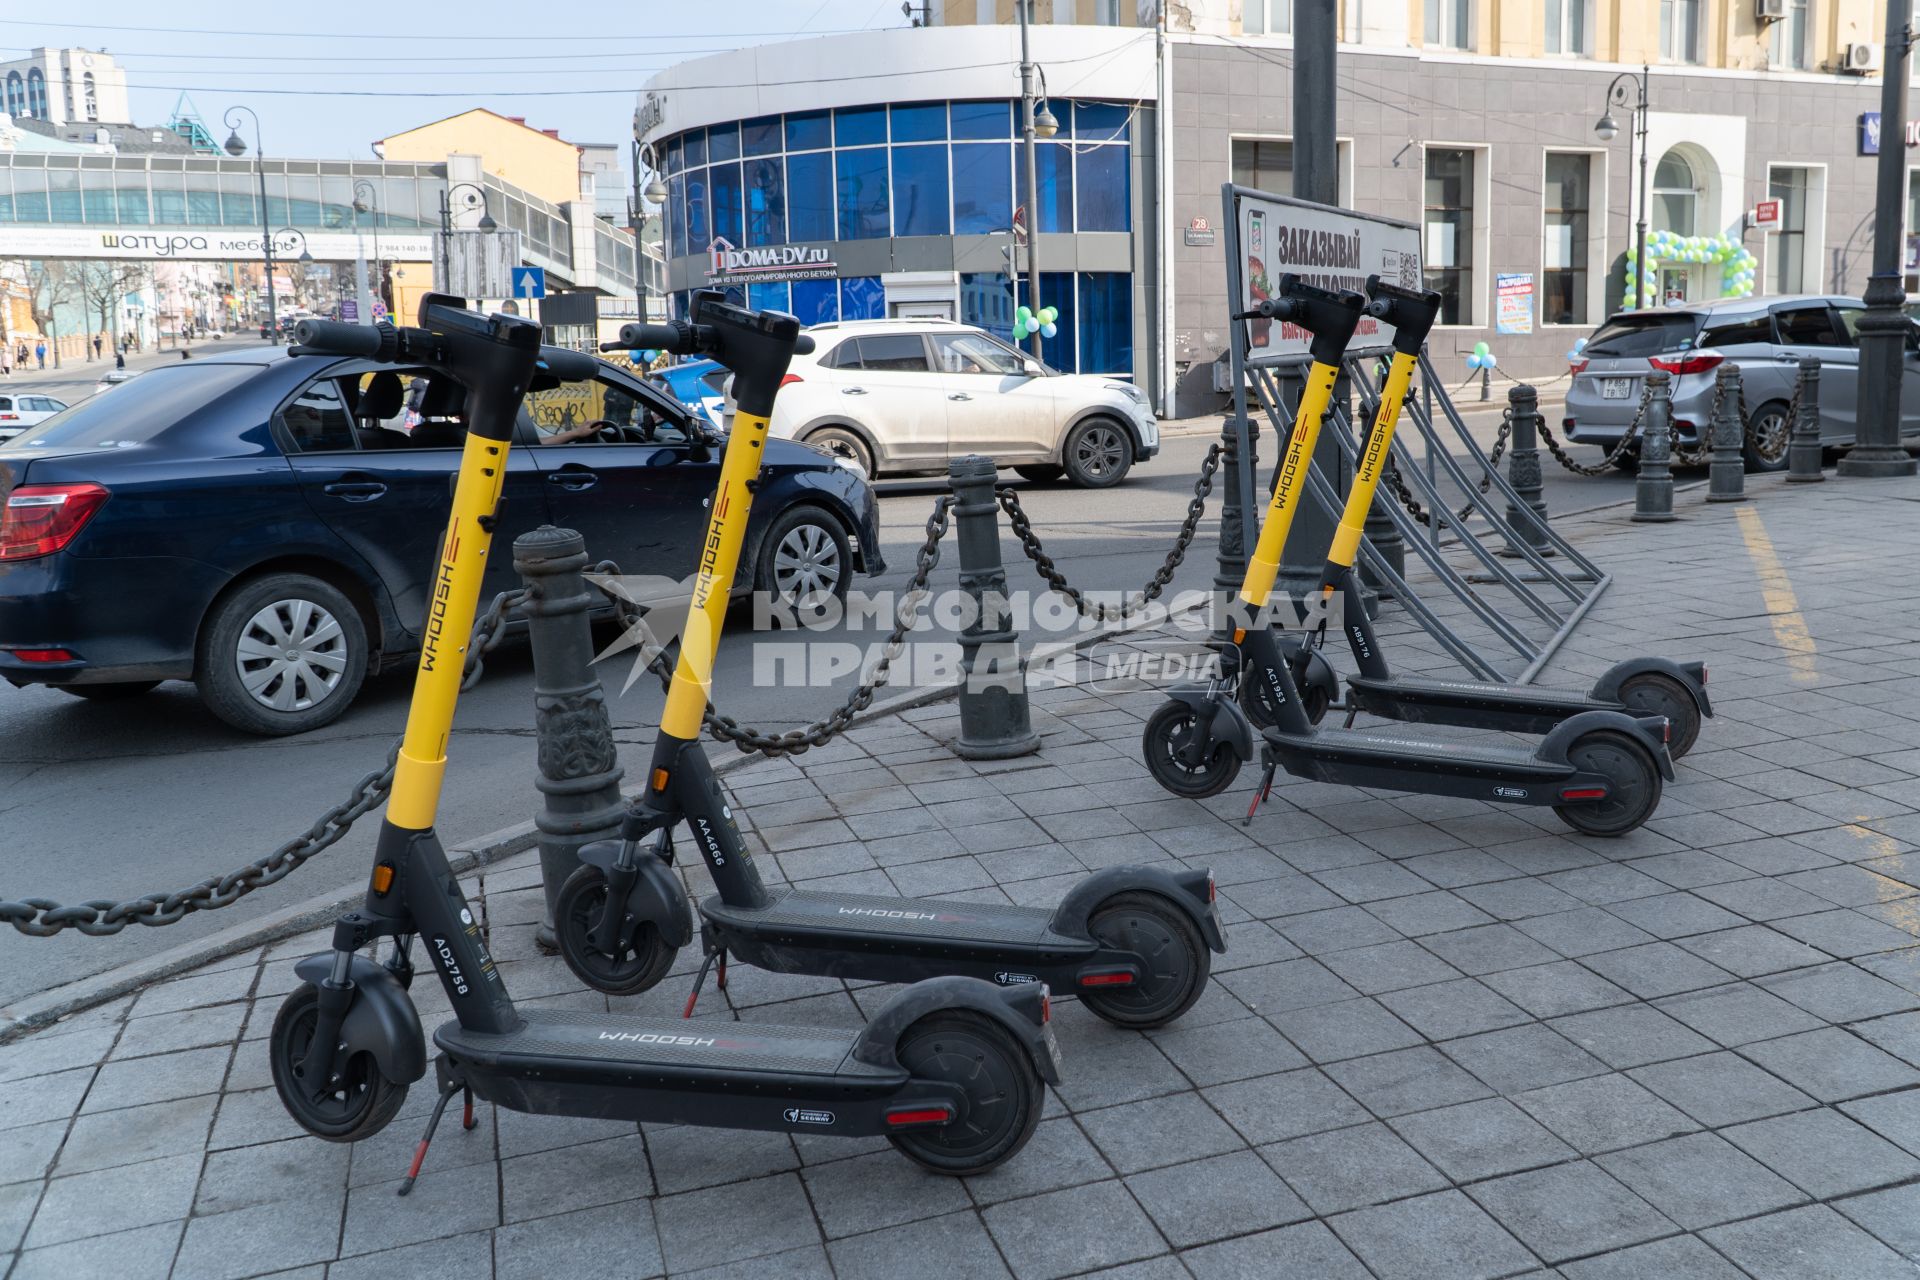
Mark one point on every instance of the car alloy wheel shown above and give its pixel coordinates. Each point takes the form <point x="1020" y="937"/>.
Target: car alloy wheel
<point x="291" y="655"/>
<point x="807" y="567"/>
<point x="1098" y="453"/>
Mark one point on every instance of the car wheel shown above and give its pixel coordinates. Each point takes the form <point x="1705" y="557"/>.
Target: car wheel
<point x="804" y="561"/>
<point x="282" y="654"/>
<point x="1040" y="472"/>
<point x="1098" y="453"/>
<point x="109" y="692"/>
<point x="844" y="442"/>
<point x="1629" y="459"/>
<point x="1769" y="429"/>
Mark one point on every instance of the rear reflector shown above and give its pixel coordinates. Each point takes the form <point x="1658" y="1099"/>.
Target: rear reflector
<point x="44" y="655"/>
<point x="1584" y="793"/>
<point x="1119" y="978"/>
<point x="40" y="519"/>
<point x="1046" y="1005"/>
<point x="1213" y="890"/>
<point x="791" y="377"/>
<point x="919" y="1115"/>
<point x="659" y="779"/>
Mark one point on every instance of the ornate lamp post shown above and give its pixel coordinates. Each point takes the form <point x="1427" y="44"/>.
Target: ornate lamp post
<point x="476" y="194"/>
<point x="1035" y="121"/>
<point x="1630" y="92"/>
<point x="236" y="147"/>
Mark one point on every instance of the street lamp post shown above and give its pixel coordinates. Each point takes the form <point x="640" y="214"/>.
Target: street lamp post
<point x="363" y="202"/>
<point x="487" y="224"/>
<point x="1033" y="123"/>
<point x="1884" y="327"/>
<point x="1606" y="128"/>
<point x="655" y="193"/>
<point x="237" y="147"/>
<point x="305" y="259"/>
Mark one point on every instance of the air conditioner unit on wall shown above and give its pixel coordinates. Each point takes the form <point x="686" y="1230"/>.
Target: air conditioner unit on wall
<point x="1859" y="58"/>
<point x="1770" y="10"/>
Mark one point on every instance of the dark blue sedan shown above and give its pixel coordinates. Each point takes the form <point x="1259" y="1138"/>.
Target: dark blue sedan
<point x="264" y="524"/>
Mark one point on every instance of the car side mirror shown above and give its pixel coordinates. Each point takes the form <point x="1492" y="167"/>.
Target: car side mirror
<point x="1032" y="368"/>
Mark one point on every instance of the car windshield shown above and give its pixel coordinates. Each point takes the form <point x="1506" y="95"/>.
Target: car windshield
<point x="136" y="414"/>
<point x="1647" y="335"/>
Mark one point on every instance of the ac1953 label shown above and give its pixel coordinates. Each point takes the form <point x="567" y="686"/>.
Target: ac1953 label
<point x="800" y="1115"/>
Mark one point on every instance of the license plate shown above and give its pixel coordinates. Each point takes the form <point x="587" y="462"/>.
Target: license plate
<point x="1616" y="388"/>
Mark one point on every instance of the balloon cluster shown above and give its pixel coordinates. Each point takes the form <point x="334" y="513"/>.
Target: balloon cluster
<point x="1482" y="357"/>
<point x="642" y="359"/>
<point x="1737" y="265"/>
<point x="1574" y="352"/>
<point x="1027" y="322"/>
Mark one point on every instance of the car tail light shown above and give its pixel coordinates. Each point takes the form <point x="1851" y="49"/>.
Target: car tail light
<point x="1681" y="366"/>
<point x="40" y="519"/>
<point x="9" y="417"/>
<point x="791" y="377"/>
<point x="44" y="655"/>
<point x="1576" y="366"/>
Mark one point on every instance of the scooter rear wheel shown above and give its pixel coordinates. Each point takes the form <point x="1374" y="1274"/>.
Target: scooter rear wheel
<point x="1177" y="960"/>
<point x="1165" y="736"/>
<point x="638" y="967"/>
<point x="365" y="1101"/>
<point x="1635" y="779"/>
<point x="1003" y="1091"/>
<point x="1652" y="691"/>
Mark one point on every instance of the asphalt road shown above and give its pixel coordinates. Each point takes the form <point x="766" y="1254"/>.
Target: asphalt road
<point x="102" y="801"/>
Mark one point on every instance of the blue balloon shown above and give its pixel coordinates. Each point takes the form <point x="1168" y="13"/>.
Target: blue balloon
<point x="1049" y="330"/>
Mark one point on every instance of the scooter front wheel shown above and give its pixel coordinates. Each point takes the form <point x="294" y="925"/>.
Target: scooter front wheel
<point x="1256" y="701"/>
<point x="638" y="965"/>
<point x="1166" y="736"/>
<point x="1632" y="775"/>
<point x="359" y="1106"/>
<point x="1003" y="1092"/>
<point x="1652" y="691"/>
<point x="1176" y="960"/>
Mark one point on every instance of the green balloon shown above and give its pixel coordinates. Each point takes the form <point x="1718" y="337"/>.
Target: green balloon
<point x="1480" y="348"/>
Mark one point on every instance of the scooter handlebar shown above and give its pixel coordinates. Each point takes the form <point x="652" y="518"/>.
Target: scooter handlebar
<point x="330" y="337"/>
<point x="675" y="337"/>
<point x="568" y="365"/>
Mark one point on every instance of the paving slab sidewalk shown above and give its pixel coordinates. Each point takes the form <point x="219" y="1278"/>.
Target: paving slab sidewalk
<point x="1447" y="1041"/>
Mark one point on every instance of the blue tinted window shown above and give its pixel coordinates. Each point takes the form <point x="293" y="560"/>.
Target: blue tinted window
<point x="816" y="301"/>
<point x="810" y="195"/>
<point x="723" y="142"/>
<point x="768" y="297"/>
<point x="859" y="126"/>
<point x="1106" y="322"/>
<point x="695" y="142"/>
<point x="862" y="298"/>
<point x="760" y="137"/>
<point x="920" y="204"/>
<point x="986" y="301"/>
<point x="983" y="119"/>
<point x="1098" y="121"/>
<point x="862" y="180"/>
<point x="1054" y="161"/>
<point x="809" y="130"/>
<point x="677" y="217"/>
<point x="1056" y="291"/>
<point x="1103" y="188"/>
<point x="699" y="224"/>
<point x="673" y="154"/>
<point x="982" y="187"/>
<point x="725" y="180"/>
<point x="132" y="204"/>
<point x="920" y="122"/>
<point x="766" y="202"/>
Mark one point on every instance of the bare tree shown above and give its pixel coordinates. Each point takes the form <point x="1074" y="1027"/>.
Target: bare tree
<point x="49" y="282"/>
<point x="102" y="283"/>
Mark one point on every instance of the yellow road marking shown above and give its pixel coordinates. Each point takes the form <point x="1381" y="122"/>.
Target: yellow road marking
<point x="1783" y="607"/>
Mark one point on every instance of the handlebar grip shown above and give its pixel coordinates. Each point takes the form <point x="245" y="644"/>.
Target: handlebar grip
<point x="1380" y="308"/>
<point x="673" y="337"/>
<point x="330" y="337"/>
<point x="567" y="365"/>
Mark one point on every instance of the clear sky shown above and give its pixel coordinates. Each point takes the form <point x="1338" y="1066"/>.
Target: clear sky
<point x="327" y="79"/>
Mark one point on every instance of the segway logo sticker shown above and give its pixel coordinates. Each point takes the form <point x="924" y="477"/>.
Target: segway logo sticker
<point x="800" y="1115"/>
<point x="1006" y="979"/>
<point x="1511" y="793"/>
<point x="466" y="916"/>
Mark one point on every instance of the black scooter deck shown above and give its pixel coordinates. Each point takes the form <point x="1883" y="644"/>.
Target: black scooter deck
<point x="1507" y="775"/>
<point x="1516" y="708"/>
<point x="654" y="1044"/>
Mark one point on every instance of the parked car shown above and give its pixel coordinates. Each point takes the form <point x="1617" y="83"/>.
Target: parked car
<point x="18" y="412"/>
<point x="258" y="523"/>
<point x="113" y="378"/>
<point x="697" y="384"/>
<point x="898" y="397"/>
<point x="1766" y="337"/>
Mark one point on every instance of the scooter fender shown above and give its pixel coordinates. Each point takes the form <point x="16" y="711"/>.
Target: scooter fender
<point x="1190" y="891"/>
<point x="1224" y="720"/>
<point x="657" y="896"/>
<point x="1649" y="732"/>
<point x="1312" y="672"/>
<point x="381" y="1020"/>
<point x="1691" y="675"/>
<point x="1020" y="1009"/>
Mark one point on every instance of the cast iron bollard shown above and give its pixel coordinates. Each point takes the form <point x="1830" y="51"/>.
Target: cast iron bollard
<point x="579" y="777"/>
<point x="1803" y="455"/>
<point x="1653" y="486"/>
<point x="1528" y="520"/>
<point x="1727" y="465"/>
<point x="994" y="719"/>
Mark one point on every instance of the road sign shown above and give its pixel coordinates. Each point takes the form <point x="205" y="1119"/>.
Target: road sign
<point x="529" y="282"/>
<point x="1766" y="214"/>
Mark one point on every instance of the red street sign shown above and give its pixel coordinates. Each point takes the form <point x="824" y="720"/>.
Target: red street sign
<point x="1020" y="222"/>
<point x="1766" y="213"/>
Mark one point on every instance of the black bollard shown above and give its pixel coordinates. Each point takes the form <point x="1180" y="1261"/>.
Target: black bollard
<point x="1653" y="487"/>
<point x="995" y="722"/>
<point x="579" y="769"/>
<point x="1230" y="568"/>
<point x="1727" y="465"/>
<point x="1529" y="519"/>
<point x="1803" y="455"/>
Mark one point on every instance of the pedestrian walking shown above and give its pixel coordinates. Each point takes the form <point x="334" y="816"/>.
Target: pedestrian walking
<point x="20" y="355"/>
<point x="96" y="346"/>
<point x="120" y="358"/>
<point x="40" y="352"/>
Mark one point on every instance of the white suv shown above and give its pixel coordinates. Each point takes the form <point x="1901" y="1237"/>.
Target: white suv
<point x="903" y="396"/>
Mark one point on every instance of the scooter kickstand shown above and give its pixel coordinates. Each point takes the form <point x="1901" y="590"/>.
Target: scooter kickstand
<point x="467" y="1121"/>
<point x="433" y="1122"/>
<point x="1260" y="792"/>
<point x="700" y="979"/>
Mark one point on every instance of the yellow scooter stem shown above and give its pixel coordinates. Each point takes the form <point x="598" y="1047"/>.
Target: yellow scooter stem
<point x="1263" y="566"/>
<point x="1366" y="477"/>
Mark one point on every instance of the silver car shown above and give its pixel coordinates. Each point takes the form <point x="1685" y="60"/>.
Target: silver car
<point x="1766" y="337"/>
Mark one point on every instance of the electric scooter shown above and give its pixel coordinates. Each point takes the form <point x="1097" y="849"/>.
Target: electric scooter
<point x="1132" y="942"/>
<point x="1654" y="686"/>
<point x="949" y="1070"/>
<point x="1601" y="771"/>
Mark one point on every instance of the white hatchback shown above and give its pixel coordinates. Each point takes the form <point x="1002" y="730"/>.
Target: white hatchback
<point x="18" y="412"/>
<point x="903" y="396"/>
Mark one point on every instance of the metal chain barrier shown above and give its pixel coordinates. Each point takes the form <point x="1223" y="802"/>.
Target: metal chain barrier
<point x="797" y="741"/>
<point x="1613" y="455"/>
<point x="42" y="918"/>
<point x="1398" y="483"/>
<point x="1030" y="543"/>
